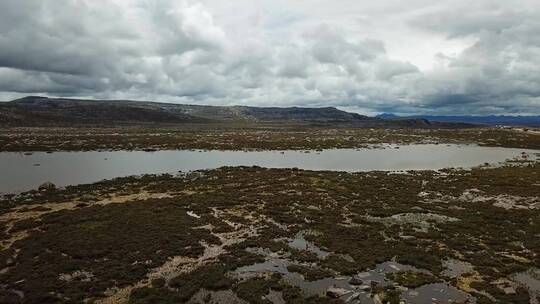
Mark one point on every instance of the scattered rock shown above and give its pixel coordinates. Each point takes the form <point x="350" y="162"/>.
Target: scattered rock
<point x="193" y="214"/>
<point x="19" y="293"/>
<point x="509" y="290"/>
<point x="47" y="186"/>
<point x="364" y="287"/>
<point x="353" y="297"/>
<point x="336" y="292"/>
<point x="377" y="299"/>
<point x="356" y="281"/>
<point x="10" y="262"/>
<point x="407" y="237"/>
<point x="506" y="285"/>
<point x="79" y="275"/>
<point x="87" y="198"/>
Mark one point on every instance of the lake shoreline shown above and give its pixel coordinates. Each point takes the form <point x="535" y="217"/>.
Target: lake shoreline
<point x="25" y="171"/>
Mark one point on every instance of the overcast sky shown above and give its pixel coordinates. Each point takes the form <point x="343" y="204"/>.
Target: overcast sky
<point x="414" y="56"/>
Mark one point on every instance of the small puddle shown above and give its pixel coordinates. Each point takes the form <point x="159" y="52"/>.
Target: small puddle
<point x="275" y="297"/>
<point x="379" y="273"/>
<point x="420" y="220"/>
<point x="309" y="288"/>
<point x="456" y="268"/>
<point x="436" y="293"/>
<point x="531" y="280"/>
<point x="359" y="291"/>
<point x="300" y="243"/>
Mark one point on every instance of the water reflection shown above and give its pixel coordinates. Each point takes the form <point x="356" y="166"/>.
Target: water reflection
<point x="24" y="171"/>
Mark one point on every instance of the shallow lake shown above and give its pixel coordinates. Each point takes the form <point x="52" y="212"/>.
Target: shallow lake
<point x="19" y="172"/>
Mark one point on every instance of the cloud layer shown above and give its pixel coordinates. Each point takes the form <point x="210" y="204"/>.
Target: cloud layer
<point x="446" y="57"/>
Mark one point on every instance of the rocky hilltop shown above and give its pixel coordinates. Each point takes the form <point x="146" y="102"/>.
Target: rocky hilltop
<point x="43" y="111"/>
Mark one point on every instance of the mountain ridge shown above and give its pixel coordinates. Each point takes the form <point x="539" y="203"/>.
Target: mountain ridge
<point x="45" y="111"/>
<point x="492" y="120"/>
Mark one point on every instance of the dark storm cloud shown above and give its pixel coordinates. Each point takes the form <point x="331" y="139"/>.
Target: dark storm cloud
<point x="498" y="70"/>
<point x="452" y="56"/>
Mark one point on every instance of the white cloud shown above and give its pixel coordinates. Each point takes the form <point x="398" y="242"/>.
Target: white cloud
<point x="416" y="56"/>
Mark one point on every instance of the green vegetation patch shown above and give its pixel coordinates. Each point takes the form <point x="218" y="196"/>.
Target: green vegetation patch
<point x="117" y="244"/>
<point x="310" y="273"/>
<point x="412" y="279"/>
<point x="352" y="216"/>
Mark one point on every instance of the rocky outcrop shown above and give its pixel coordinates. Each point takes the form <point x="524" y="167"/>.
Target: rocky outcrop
<point x="46" y="186"/>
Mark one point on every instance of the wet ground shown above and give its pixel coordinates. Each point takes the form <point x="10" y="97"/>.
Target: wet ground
<point x="256" y="235"/>
<point x="530" y="279"/>
<point x="356" y="288"/>
<point x="261" y="137"/>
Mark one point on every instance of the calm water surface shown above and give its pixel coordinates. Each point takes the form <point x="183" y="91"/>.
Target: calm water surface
<point x="19" y="172"/>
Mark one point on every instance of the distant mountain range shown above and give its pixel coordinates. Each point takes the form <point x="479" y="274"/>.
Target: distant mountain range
<point x="492" y="120"/>
<point x="43" y="111"/>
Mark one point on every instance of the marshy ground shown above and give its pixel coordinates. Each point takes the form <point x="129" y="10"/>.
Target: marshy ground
<point x="255" y="235"/>
<point x="260" y="137"/>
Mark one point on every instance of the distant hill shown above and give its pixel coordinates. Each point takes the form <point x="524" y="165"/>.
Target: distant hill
<point x="43" y="111"/>
<point x="39" y="111"/>
<point x="493" y="120"/>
